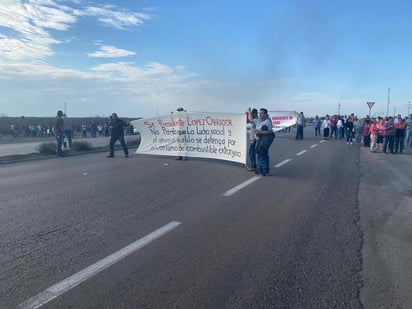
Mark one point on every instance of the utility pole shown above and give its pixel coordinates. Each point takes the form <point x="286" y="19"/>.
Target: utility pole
<point x="387" y="108"/>
<point x="65" y="107"/>
<point x="409" y="107"/>
<point x="339" y="108"/>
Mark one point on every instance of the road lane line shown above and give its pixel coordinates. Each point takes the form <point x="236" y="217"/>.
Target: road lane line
<point x="301" y="153"/>
<point x="241" y="186"/>
<point x="313" y="146"/>
<point x="88" y="272"/>
<point x="283" y="162"/>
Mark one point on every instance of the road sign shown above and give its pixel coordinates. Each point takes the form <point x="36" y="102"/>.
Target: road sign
<point x="370" y="104"/>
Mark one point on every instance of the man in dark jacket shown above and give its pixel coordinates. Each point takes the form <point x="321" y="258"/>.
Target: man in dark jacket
<point x="59" y="133"/>
<point x="117" y="133"/>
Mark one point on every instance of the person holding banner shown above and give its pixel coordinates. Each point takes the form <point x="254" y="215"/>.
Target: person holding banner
<point x="252" y="140"/>
<point x="178" y="158"/>
<point x="300" y="123"/>
<point x="264" y="138"/>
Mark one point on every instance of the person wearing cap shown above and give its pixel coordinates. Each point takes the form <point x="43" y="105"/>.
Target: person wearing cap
<point x="181" y="158"/>
<point x="117" y="133"/>
<point x="59" y="133"/>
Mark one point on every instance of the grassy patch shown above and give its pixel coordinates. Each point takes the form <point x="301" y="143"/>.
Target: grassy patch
<point x="82" y="146"/>
<point x="47" y="148"/>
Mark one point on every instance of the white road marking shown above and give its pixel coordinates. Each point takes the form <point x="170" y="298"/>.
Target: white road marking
<point x="313" y="146"/>
<point x="322" y="141"/>
<point x="301" y="153"/>
<point x="283" y="162"/>
<point x="88" y="272"/>
<point x="241" y="186"/>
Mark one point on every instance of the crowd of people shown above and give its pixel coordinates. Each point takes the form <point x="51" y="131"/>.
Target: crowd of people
<point x="381" y="134"/>
<point x="63" y="130"/>
<point x="92" y="129"/>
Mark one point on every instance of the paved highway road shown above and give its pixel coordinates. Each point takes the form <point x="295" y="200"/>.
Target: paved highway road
<point x="152" y="232"/>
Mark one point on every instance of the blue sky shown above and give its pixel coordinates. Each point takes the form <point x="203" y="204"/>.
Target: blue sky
<point x="144" y="58"/>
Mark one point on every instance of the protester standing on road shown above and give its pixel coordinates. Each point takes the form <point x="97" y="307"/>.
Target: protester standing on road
<point x="389" y="135"/>
<point x="400" y="129"/>
<point x="326" y="127"/>
<point x="263" y="130"/>
<point x="300" y="123"/>
<point x="59" y="132"/>
<point x="117" y="133"/>
<point x="178" y="158"/>
<point x="252" y="139"/>
<point x="68" y="130"/>
<point x="333" y="127"/>
<point x="349" y="130"/>
<point x="318" y="124"/>
<point x="84" y="130"/>
<point x="374" y="135"/>
<point x="409" y="131"/>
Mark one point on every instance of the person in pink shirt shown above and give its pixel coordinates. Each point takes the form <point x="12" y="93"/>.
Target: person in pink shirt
<point x="374" y="135"/>
<point x="381" y="131"/>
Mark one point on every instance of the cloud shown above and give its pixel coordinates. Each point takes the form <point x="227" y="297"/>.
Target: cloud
<point x="111" y="52"/>
<point x="111" y="15"/>
<point x="29" y="25"/>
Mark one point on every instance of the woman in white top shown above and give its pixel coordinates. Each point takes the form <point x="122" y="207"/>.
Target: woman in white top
<point x="326" y="127"/>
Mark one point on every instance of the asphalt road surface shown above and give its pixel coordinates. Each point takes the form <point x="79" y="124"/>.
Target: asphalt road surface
<point x="329" y="228"/>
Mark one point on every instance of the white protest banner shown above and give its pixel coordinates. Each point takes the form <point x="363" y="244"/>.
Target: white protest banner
<point x="282" y="119"/>
<point x="194" y="134"/>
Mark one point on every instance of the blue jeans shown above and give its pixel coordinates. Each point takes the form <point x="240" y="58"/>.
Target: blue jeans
<point x="333" y="131"/>
<point x="340" y="133"/>
<point x="252" y="155"/>
<point x="68" y="134"/>
<point x="388" y="142"/>
<point x="349" y="135"/>
<point x="399" y="143"/>
<point x="409" y="137"/>
<point x="59" y="139"/>
<point x="263" y="160"/>
<point x="299" y="132"/>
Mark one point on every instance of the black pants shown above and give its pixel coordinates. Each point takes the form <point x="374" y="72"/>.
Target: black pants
<point x="113" y="140"/>
<point x="326" y="132"/>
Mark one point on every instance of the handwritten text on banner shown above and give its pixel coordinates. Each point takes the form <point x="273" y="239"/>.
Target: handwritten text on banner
<point x="194" y="134"/>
